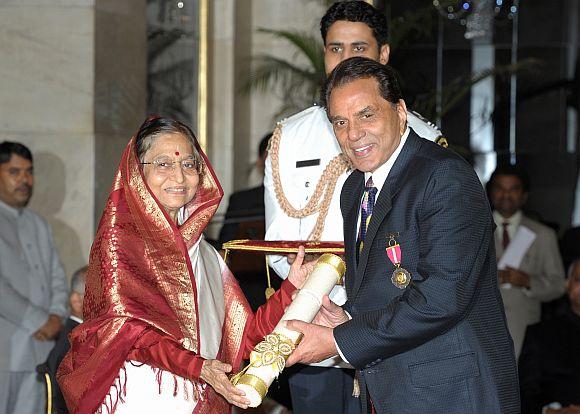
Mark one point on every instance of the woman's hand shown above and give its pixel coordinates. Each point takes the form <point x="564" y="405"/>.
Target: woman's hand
<point x="300" y="269"/>
<point x="214" y="373"/>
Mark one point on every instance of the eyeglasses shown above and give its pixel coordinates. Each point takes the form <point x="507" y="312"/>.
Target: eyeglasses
<point x="167" y="167"/>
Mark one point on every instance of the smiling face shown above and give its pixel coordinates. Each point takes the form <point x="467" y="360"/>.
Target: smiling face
<point x="16" y="181"/>
<point x="367" y="127"/>
<point x="175" y="188"/>
<point x="346" y="39"/>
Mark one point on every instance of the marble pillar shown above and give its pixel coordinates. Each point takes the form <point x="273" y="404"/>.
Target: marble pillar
<point x="72" y="76"/>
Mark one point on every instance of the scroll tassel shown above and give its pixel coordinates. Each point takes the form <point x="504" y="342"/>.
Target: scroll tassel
<point x="356" y="386"/>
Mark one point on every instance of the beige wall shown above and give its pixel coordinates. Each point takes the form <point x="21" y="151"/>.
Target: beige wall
<point x="49" y="101"/>
<point x="73" y="82"/>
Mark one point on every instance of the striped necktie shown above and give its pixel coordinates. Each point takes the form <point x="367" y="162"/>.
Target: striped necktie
<point x="366" y="211"/>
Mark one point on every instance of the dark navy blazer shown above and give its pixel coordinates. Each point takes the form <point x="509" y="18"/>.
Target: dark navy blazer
<point x="441" y="345"/>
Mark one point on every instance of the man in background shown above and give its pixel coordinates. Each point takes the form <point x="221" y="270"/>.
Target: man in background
<point x="33" y="287"/>
<point x="539" y="277"/>
<point x="48" y="369"/>
<point x="550" y="365"/>
<point x="247" y="205"/>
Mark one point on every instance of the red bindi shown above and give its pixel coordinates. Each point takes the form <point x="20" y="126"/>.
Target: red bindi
<point x="176" y="152"/>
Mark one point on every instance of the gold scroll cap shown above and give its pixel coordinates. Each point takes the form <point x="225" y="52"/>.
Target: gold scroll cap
<point x="256" y="383"/>
<point x="336" y="262"/>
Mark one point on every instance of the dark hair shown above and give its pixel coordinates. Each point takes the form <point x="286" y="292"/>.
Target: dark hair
<point x="154" y="126"/>
<point x="8" y="148"/>
<point x="357" y="11"/>
<point x="514" y="170"/>
<point x="356" y="68"/>
<point x="264" y="144"/>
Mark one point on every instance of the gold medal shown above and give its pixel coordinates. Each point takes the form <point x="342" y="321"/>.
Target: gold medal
<point x="401" y="278"/>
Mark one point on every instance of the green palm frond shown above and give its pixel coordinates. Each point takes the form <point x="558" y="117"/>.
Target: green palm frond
<point x="298" y="79"/>
<point x="271" y="70"/>
<point x="309" y="45"/>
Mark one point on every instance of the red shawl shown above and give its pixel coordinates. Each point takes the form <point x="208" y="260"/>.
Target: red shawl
<point x="140" y="276"/>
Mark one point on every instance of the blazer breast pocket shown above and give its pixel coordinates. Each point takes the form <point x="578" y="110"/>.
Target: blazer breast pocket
<point x="444" y="371"/>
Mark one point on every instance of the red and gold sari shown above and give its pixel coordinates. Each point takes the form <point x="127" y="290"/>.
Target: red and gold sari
<point x="141" y="300"/>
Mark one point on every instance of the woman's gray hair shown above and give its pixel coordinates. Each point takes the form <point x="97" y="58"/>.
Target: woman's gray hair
<point x="154" y="126"/>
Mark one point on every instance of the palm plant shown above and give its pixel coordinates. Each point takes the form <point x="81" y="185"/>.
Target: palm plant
<point x="297" y="80"/>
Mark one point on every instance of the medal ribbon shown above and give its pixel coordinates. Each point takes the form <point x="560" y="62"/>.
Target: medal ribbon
<point x="394" y="253"/>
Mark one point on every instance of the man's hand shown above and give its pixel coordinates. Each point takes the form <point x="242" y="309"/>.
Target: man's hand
<point x="214" y="373"/>
<point x="571" y="409"/>
<point x="50" y="329"/>
<point x="515" y="277"/>
<point x="316" y="345"/>
<point x="300" y="269"/>
<point x="330" y="314"/>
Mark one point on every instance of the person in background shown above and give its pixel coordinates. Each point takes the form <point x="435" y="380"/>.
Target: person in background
<point x="549" y="365"/>
<point x="33" y="289"/>
<point x="247" y="205"/>
<point x="48" y="369"/>
<point x="540" y="275"/>
<point x="256" y="177"/>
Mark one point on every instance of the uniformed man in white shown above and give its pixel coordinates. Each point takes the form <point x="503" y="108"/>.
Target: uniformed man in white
<point x="303" y="180"/>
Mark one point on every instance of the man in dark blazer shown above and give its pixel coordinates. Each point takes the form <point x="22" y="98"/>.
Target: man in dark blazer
<point x="424" y="323"/>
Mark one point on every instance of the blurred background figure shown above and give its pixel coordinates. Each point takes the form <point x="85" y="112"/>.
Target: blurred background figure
<point x="549" y="365"/>
<point x="33" y="287"/>
<point x="256" y="178"/>
<point x="533" y="273"/>
<point x="62" y="345"/>
<point x="244" y="217"/>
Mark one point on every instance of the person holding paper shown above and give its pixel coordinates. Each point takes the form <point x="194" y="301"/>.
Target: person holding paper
<point x="425" y="327"/>
<point x="529" y="262"/>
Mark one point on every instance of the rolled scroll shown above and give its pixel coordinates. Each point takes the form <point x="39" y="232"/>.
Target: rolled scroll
<point x="268" y="358"/>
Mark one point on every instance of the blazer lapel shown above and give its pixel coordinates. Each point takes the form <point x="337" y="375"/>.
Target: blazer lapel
<point x="383" y="204"/>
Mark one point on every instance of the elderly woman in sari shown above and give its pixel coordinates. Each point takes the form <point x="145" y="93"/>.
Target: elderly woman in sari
<point x="165" y="320"/>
